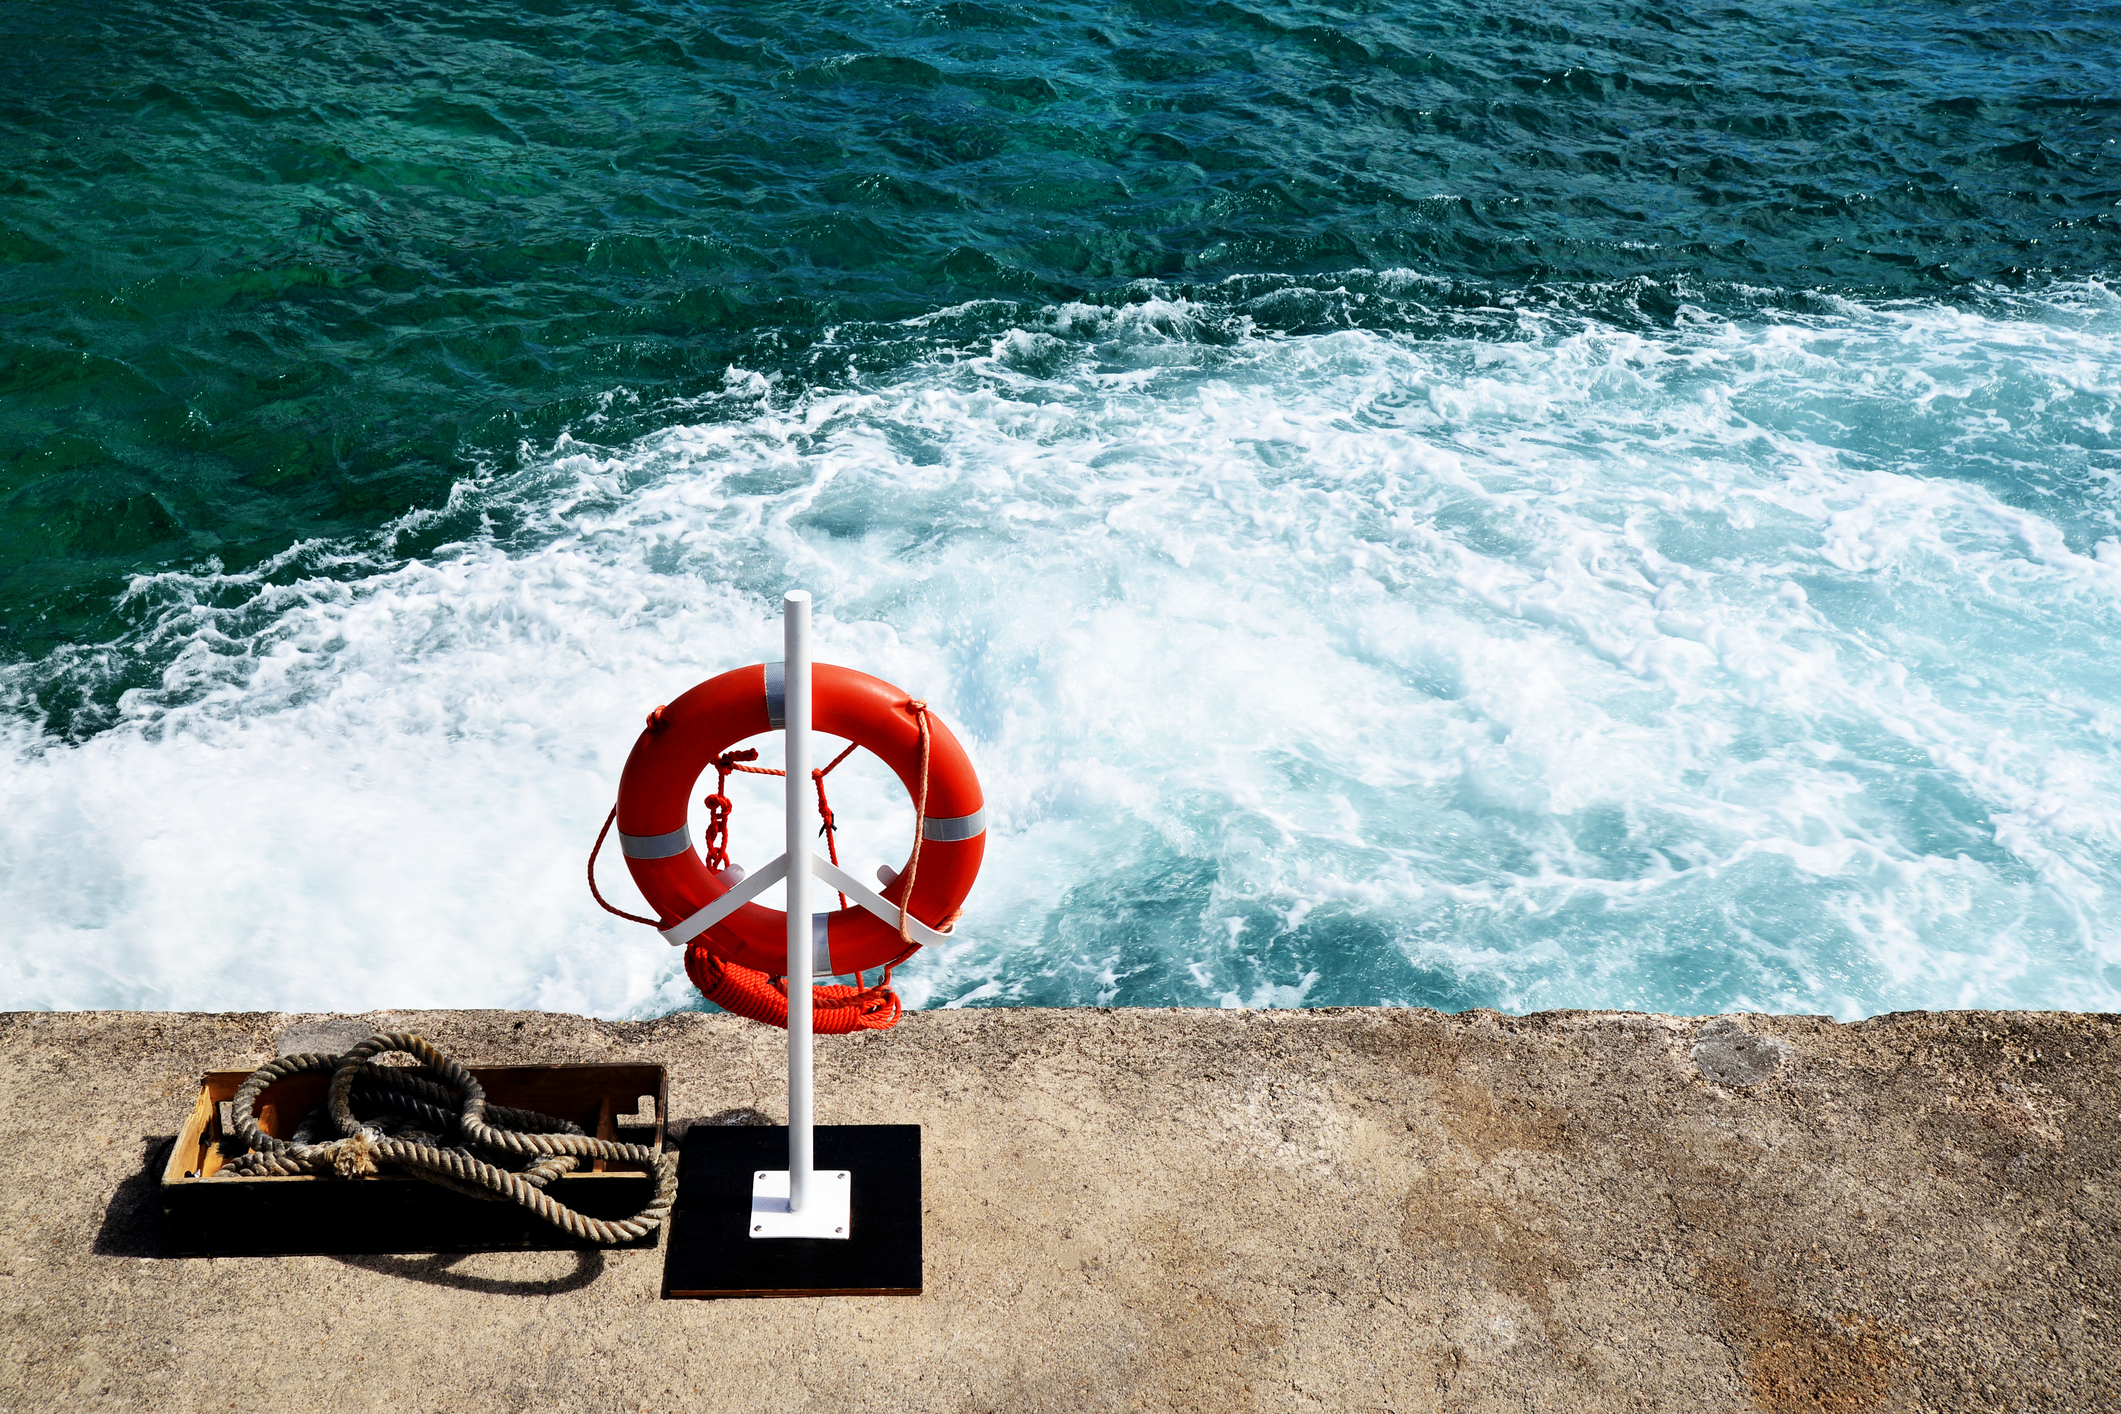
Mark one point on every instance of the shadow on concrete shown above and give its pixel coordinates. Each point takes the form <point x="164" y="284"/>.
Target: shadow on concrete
<point x="675" y="1130"/>
<point x="435" y="1271"/>
<point x="132" y="1224"/>
<point x="742" y="1115"/>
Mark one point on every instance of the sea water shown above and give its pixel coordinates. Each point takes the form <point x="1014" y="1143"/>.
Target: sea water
<point x="1425" y="507"/>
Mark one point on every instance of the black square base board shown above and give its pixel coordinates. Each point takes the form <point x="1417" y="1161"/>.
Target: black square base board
<point x="711" y="1251"/>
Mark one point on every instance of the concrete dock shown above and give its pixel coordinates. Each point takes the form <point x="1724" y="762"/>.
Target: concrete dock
<point x="1176" y="1210"/>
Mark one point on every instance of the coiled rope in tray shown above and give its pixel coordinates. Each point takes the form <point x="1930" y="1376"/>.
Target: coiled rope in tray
<point x="438" y="1125"/>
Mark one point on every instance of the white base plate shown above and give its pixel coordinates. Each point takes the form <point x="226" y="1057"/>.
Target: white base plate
<point x="825" y="1212"/>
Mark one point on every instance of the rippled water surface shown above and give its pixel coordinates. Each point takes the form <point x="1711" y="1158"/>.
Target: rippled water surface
<point x="1604" y="506"/>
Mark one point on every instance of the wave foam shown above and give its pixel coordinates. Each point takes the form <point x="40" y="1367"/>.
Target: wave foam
<point x="1757" y="664"/>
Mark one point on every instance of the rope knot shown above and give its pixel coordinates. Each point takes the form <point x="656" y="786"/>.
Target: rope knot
<point x="719" y="805"/>
<point x="354" y="1155"/>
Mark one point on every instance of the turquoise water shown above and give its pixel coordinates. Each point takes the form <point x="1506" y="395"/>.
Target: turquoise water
<point x="1609" y="507"/>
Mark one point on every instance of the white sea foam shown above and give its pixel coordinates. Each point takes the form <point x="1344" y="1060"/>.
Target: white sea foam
<point x="1743" y="665"/>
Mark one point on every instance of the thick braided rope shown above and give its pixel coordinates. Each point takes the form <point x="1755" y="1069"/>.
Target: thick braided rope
<point x="400" y="1089"/>
<point x="424" y="1094"/>
<point x="426" y="1100"/>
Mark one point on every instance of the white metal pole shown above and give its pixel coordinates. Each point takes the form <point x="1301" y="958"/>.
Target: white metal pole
<point x="795" y="607"/>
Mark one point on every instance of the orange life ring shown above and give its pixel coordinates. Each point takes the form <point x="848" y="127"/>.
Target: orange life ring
<point x="687" y="736"/>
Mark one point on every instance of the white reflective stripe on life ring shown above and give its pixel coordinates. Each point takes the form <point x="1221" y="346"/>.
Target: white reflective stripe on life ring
<point x="954" y="828"/>
<point x="659" y="846"/>
<point x="776" y="695"/>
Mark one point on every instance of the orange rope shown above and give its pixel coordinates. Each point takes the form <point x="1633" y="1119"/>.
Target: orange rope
<point x="719" y="805"/>
<point x="920" y="823"/>
<point x="835" y="1009"/>
<point x="596" y="849"/>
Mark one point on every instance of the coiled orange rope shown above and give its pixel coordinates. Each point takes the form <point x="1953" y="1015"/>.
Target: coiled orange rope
<point x="835" y="1008"/>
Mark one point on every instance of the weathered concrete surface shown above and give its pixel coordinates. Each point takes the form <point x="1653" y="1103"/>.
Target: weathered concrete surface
<point x="1338" y="1210"/>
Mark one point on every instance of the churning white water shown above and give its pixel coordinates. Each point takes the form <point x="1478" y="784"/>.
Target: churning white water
<point x="1762" y="664"/>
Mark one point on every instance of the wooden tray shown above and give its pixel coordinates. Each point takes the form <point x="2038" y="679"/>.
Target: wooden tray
<point x="212" y="1214"/>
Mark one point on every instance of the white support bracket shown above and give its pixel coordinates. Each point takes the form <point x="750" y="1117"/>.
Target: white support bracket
<point x="752" y="885"/>
<point x="747" y="889"/>
<point x="853" y="888"/>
